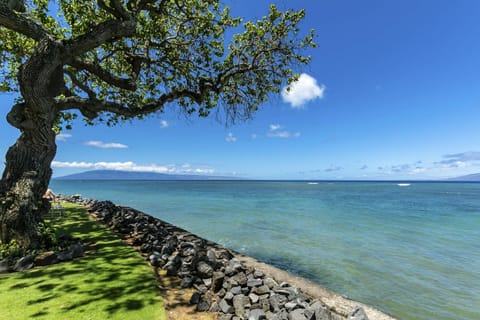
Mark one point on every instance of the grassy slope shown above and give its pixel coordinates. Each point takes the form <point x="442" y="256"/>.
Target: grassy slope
<point x="112" y="282"/>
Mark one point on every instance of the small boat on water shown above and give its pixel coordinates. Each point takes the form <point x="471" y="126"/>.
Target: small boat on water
<point x="403" y="184"/>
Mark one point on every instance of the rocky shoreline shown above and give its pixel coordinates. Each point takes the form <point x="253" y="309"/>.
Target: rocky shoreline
<point x="228" y="283"/>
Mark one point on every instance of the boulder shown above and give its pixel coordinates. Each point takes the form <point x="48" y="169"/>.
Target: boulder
<point x="203" y="306"/>
<point x="264" y="303"/>
<point x="357" y="314"/>
<point x="253" y="297"/>
<point x="297" y="314"/>
<point x="225" y="306"/>
<point x="261" y="290"/>
<point x="228" y="296"/>
<point x="256" y="314"/>
<point x="240" y="279"/>
<point x="204" y="270"/>
<point x="270" y="283"/>
<point x="211" y="257"/>
<point x="76" y="249"/>
<point x="277" y="302"/>
<point x="195" y="299"/>
<point x="186" y="282"/>
<point x="46" y="259"/>
<point x="4" y="266"/>
<point x="173" y="264"/>
<point x="207" y="282"/>
<point x="24" y="263"/>
<point x="240" y="302"/>
<point x="217" y="280"/>
<point x="155" y="259"/>
<point x="233" y="266"/>
<point x="291" y="305"/>
<point x="320" y="311"/>
<point x="236" y="290"/>
<point x="254" y="282"/>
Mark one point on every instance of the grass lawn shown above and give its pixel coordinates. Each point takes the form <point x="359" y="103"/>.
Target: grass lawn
<point x="111" y="282"/>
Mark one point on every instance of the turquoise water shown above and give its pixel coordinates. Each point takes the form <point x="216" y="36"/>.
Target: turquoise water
<point x="413" y="252"/>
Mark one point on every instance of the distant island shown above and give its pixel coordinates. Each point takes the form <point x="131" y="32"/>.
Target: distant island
<point x="468" y="178"/>
<point x="143" y="175"/>
<point x="140" y="175"/>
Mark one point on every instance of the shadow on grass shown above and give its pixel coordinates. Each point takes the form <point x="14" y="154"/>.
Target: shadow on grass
<point x="112" y="279"/>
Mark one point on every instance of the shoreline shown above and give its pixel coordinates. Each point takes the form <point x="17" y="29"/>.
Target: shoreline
<point x="229" y="283"/>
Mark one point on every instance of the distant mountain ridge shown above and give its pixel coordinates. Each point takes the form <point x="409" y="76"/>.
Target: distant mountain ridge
<point x="140" y="175"/>
<point x="468" y="178"/>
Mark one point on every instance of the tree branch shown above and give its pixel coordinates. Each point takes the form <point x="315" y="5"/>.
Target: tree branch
<point x="80" y="85"/>
<point x="147" y="5"/>
<point x="103" y="5"/>
<point x="21" y="24"/>
<point x="95" y="69"/>
<point x="118" y="7"/>
<point x="117" y="10"/>
<point x="91" y="107"/>
<point x="100" y="34"/>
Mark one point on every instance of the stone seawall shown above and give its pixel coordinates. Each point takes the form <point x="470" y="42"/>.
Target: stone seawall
<point x="228" y="283"/>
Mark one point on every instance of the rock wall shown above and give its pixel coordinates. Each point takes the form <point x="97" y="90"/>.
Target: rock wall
<point x="223" y="282"/>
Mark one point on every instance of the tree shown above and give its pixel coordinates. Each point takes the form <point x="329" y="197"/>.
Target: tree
<point x="113" y="60"/>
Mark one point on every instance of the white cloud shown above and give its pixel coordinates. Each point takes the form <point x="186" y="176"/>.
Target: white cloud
<point x="283" y="134"/>
<point x="230" y="138"/>
<point x="204" y="171"/>
<point x="63" y="136"/>
<point x="333" y="169"/>
<point x="164" y="124"/>
<point x="132" y="166"/>
<point x="104" y="145"/>
<point x="276" y="132"/>
<point x="274" y="127"/>
<point x="454" y="164"/>
<point x="302" y="91"/>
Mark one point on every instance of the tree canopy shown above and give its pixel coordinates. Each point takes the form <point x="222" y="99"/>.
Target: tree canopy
<point x="116" y="60"/>
<point x="113" y="60"/>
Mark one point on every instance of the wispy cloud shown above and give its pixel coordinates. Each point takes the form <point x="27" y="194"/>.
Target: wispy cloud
<point x="302" y="91"/>
<point x="333" y="169"/>
<point x="276" y="131"/>
<point x="164" y="124"/>
<point x="449" y="165"/>
<point x="132" y="166"/>
<point x="230" y="137"/>
<point x="402" y="169"/>
<point x="105" y="145"/>
<point x="63" y="136"/>
<point x="460" y="160"/>
<point x="364" y="167"/>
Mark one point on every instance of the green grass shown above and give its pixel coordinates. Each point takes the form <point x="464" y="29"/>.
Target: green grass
<point x="112" y="282"/>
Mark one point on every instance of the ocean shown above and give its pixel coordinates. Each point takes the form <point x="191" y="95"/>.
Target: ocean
<point x="410" y="250"/>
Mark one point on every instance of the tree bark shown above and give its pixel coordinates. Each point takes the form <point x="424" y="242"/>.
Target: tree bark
<point x="27" y="171"/>
<point x="25" y="179"/>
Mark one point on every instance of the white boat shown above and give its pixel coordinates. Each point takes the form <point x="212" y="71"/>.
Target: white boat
<point x="403" y="184"/>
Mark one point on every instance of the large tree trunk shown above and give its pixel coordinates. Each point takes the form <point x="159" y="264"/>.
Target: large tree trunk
<point x="27" y="171"/>
<point x="25" y="179"/>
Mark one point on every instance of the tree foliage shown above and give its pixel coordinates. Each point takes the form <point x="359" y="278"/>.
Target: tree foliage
<point x="126" y="59"/>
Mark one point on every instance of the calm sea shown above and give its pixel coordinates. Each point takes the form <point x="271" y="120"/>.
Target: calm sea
<point x="411" y="251"/>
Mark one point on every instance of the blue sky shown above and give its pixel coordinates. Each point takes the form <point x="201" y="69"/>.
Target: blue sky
<point x="393" y="92"/>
